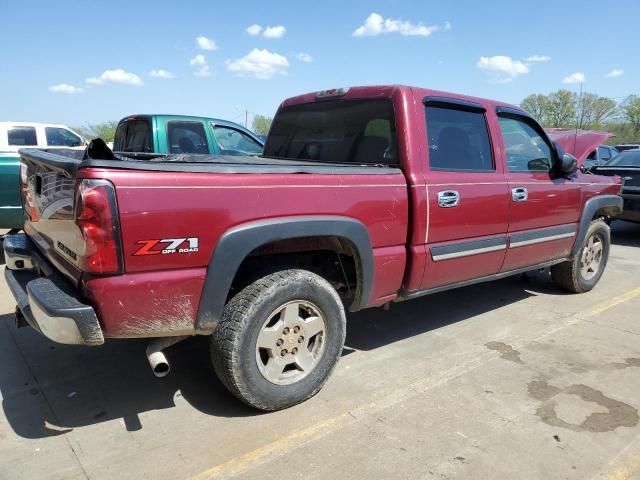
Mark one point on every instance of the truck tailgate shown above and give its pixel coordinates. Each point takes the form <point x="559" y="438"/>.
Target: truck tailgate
<point x="47" y="185"/>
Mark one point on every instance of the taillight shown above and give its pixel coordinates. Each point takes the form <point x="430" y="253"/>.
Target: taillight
<point x="97" y="221"/>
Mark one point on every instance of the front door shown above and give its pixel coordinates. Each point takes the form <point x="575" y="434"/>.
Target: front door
<point x="544" y="208"/>
<point x="467" y="195"/>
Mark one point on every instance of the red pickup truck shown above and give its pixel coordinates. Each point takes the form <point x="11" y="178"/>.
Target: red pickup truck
<point x="363" y="196"/>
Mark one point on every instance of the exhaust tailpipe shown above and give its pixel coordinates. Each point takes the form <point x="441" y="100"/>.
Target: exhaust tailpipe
<point x="157" y="359"/>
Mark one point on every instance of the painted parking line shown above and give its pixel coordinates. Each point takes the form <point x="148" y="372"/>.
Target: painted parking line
<point x="280" y="447"/>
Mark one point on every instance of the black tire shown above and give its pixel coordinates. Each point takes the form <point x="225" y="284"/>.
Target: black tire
<point x="569" y="275"/>
<point x="233" y="343"/>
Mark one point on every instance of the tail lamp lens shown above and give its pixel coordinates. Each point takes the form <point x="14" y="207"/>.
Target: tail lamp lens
<point x="97" y="222"/>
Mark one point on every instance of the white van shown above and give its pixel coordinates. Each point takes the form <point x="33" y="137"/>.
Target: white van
<point x="16" y="135"/>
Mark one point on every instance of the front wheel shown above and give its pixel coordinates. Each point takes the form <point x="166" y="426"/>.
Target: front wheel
<point x="585" y="268"/>
<point x="279" y="339"/>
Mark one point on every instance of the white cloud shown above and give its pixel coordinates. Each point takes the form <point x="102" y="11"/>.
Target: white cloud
<point x="65" y="88"/>
<point x="203" y="71"/>
<point x="537" y="58"/>
<point x="118" y="76"/>
<point x="304" y="57"/>
<point x="261" y="64"/>
<point x="503" y="68"/>
<point x="254" y="29"/>
<point x="200" y="62"/>
<point x="447" y="25"/>
<point x="577" y="77"/>
<point x="205" y="43"/>
<point x="376" y="24"/>
<point x="274" y="32"/>
<point x="159" y="73"/>
<point x="616" y="72"/>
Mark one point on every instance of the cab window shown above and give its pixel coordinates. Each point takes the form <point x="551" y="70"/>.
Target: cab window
<point x="526" y="150"/>
<point x="133" y="136"/>
<point x="61" y="137"/>
<point x="458" y="140"/>
<point x="22" y="136"/>
<point x="187" y="137"/>
<point x="234" y="142"/>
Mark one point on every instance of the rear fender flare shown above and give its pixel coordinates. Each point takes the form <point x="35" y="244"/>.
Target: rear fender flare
<point x="610" y="205"/>
<point x="236" y="244"/>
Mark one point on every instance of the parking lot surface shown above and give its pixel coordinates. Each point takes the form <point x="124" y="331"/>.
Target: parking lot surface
<point x="511" y="379"/>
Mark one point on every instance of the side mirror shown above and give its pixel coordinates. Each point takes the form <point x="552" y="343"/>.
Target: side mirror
<point x="568" y="164"/>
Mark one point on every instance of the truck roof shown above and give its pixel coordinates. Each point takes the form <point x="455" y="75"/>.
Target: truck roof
<point x="388" y="91"/>
<point x="32" y="124"/>
<point x="186" y="117"/>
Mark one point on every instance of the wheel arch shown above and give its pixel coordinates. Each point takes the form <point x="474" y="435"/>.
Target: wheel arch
<point x="599" y="206"/>
<point x="236" y="245"/>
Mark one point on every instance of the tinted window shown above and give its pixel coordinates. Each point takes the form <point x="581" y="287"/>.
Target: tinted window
<point x="187" y="137"/>
<point x="605" y="154"/>
<point x="348" y="131"/>
<point x="629" y="158"/>
<point x="120" y="138"/>
<point x="234" y="142"/>
<point x="526" y="150"/>
<point x="134" y="136"/>
<point x="61" y="137"/>
<point x="458" y="140"/>
<point x="23" y="136"/>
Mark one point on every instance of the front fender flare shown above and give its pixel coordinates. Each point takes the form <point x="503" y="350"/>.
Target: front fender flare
<point x="609" y="204"/>
<point x="236" y="244"/>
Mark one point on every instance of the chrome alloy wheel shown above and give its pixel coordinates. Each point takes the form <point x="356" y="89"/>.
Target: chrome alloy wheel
<point x="291" y="342"/>
<point x="591" y="258"/>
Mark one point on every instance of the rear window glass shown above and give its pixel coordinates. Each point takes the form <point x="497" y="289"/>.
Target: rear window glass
<point x="187" y="137"/>
<point x="345" y="131"/>
<point x="134" y="136"/>
<point x="22" y="136"/>
<point x="458" y="140"/>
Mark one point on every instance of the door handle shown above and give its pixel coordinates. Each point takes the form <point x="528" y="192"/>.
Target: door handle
<point x="448" y="199"/>
<point x="519" y="194"/>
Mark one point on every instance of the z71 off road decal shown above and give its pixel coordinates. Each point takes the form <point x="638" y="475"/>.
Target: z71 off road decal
<point x="167" y="246"/>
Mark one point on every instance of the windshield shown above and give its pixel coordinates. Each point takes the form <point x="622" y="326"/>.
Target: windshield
<point x="630" y="158"/>
<point x="342" y="131"/>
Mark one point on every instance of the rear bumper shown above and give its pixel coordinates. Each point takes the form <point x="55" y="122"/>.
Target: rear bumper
<point x="47" y="301"/>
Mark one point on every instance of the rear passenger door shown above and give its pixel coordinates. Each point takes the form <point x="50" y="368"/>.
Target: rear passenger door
<point x="544" y="207"/>
<point x="467" y="195"/>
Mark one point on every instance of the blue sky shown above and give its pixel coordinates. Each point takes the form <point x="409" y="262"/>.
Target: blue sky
<point x="103" y="52"/>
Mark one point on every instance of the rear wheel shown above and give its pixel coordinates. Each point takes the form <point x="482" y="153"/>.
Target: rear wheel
<point x="585" y="268"/>
<point x="279" y="339"/>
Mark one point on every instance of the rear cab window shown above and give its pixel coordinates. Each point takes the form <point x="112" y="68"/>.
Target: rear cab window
<point x="22" y="137"/>
<point x="354" y="131"/>
<point x="134" y="135"/>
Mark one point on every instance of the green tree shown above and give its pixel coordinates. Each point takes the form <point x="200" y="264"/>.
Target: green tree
<point x="630" y="109"/>
<point x="105" y="130"/>
<point x="537" y="105"/>
<point x="261" y="124"/>
<point x="593" y="110"/>
<point x="562" y="109"/>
